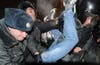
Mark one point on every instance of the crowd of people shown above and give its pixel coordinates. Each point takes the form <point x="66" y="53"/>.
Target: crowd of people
<point x="73" y="36"/>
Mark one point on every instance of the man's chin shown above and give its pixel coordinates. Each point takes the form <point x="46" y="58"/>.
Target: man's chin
<point x="21" y="39"/>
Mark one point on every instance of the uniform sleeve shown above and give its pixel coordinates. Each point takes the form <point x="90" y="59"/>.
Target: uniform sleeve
<point x="47" y="26"/>
<point x="4" y="57"/>
<point x="84" y="35"/>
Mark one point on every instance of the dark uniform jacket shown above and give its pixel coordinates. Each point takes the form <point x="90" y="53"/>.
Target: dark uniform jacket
<point x="11" y="50"/>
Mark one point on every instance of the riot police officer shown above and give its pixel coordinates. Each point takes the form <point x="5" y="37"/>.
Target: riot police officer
<point x="87" y="13"/>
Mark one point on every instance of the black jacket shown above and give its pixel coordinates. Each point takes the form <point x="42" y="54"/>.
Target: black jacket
<point x="84" y="33"/>
<point x="11" y="50"/>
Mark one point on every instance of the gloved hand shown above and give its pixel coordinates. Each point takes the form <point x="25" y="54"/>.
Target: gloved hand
<point x="37" y="58"/>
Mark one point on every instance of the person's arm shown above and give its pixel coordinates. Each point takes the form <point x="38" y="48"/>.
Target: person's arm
<point x="70" y="40"/>
<point x="84" y="35"/>
<point x="4" y="57"/>
<point x="47" y="26"/>
<point x="33" y="41"/>
<point x="85" y="32"/>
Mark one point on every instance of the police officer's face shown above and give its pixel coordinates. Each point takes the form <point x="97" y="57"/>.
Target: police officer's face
<point x="31" y="12"/>
<point x="18" y="34"/>
<point x="87" y="21"/>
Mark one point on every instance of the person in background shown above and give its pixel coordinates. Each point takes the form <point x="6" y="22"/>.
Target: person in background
<point x="90" y="16"/>
<point x="87" y="19"/>
<point x="28" y="7"/>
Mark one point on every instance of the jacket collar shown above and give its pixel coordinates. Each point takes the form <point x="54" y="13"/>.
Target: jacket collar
<point x="8" y="39"/>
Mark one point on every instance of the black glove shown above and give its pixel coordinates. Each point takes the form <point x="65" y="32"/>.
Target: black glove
<point x="37" y="58"/>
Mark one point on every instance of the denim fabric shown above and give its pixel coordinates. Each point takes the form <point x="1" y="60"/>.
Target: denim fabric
<point x="57" y="51"/>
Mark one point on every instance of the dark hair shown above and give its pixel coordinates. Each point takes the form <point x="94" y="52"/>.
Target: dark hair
<point x="25" y="4"/>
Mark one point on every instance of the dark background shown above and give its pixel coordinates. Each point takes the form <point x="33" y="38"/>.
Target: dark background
<point x="41" y="11"/>
<point x="8" y="3"/>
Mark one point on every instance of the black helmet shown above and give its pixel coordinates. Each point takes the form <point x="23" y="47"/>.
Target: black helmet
<point x="85" y="8"/>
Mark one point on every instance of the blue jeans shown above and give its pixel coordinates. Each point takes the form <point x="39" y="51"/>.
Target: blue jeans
<point x="57" y="51"/>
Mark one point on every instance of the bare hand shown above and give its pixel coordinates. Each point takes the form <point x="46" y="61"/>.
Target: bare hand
<point x="77" y="49"/>
<point x="98" y="40"/>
